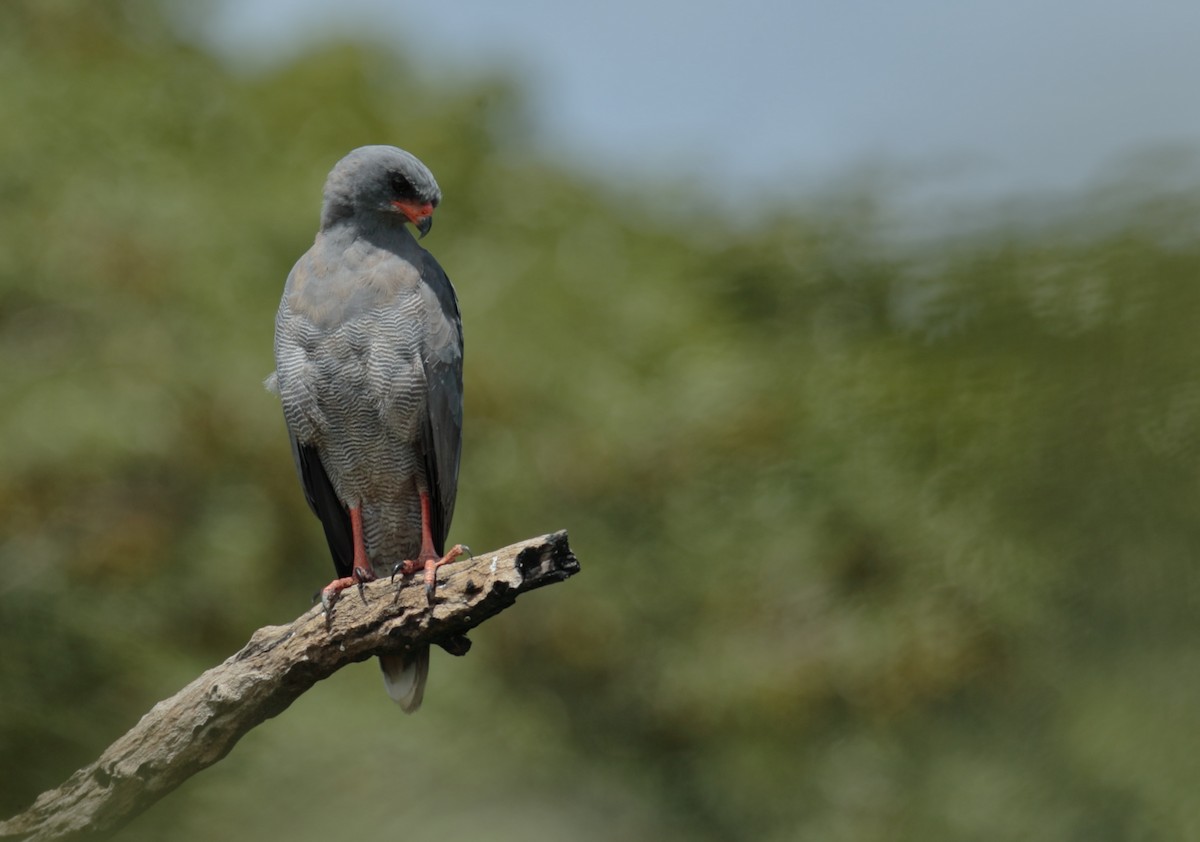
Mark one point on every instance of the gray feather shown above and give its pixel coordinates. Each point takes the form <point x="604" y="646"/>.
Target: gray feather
<point x="368" y="353"/>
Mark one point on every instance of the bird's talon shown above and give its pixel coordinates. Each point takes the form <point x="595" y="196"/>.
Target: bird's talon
<point x="431" y="567"/>
<point x="328" y="598"/>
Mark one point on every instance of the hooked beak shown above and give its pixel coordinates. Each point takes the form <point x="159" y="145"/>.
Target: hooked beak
<point x="421" y="216"/>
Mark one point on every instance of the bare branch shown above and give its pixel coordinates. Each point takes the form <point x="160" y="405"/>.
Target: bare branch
<point x="200" y="724"/>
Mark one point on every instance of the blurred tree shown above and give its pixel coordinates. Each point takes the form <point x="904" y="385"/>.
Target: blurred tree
<point x="885" y="542"/>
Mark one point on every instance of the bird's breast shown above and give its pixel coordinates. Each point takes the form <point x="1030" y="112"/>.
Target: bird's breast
<point x="331" y="287"/>
<point x="348" y="346"/>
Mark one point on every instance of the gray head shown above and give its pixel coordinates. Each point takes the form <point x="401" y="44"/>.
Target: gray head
<point x="384" y="183"/>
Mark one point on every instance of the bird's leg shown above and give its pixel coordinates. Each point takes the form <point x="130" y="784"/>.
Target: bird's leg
<point x="360" y="568"/>
<point x="428" y="559"/>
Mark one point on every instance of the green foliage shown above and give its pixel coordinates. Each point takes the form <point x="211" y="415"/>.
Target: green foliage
<point x="878" y="543"/>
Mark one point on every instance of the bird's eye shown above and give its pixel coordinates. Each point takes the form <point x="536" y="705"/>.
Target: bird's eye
<point x="401" y="186"/>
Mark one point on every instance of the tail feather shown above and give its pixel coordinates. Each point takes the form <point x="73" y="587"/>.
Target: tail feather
<point x="404" y="677"/>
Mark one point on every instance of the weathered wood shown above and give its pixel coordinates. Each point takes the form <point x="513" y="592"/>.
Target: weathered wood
<point x="200" y="724"/>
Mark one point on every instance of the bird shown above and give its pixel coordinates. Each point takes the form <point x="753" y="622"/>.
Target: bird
<point x="368" y="368"/>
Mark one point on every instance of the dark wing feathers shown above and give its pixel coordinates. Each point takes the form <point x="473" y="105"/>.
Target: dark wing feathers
<point x="441" y="432"/>
<point x="324" y="502"/>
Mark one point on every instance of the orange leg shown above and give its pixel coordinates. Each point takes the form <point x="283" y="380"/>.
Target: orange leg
<point x="428" y="559"/>
<point x="360" y="569"/>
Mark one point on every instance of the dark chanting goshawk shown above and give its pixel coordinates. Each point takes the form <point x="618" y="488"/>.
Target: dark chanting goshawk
<point x="368" y="366"/>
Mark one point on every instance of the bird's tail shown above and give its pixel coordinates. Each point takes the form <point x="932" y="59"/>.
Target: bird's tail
<point x="404" y="677"/>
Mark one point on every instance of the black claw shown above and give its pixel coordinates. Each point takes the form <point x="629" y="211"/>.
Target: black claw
<point x="430" y="590"/>
<point x="395" y="569"/>
<point x="361" y="577"/>
<point x="327" y="601"/>
<point x="467" y="550"/>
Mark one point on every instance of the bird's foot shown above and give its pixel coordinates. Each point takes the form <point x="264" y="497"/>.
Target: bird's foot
<point x="330" y="593"/>
<point x="429" y="563"/>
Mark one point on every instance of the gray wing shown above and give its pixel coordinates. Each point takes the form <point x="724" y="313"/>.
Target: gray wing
<point x="441" y="431"/>
<point x="292" y="381"/>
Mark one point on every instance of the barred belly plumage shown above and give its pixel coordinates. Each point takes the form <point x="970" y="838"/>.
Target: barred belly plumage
<point x="370" y="389"/>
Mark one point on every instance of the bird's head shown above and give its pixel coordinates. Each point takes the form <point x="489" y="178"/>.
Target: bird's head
<point x="381" y="179"/>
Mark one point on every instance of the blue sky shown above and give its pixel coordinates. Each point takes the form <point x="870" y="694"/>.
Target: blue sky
<point x="990" y="95"/>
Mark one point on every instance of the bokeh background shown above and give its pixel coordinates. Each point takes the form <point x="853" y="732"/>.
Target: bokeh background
<point x="883" y="475"/>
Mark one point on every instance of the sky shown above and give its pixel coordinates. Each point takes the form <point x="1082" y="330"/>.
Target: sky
<point x="987" y="96"/>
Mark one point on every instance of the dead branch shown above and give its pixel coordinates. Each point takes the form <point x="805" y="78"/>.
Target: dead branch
<point x="200" y="724"/>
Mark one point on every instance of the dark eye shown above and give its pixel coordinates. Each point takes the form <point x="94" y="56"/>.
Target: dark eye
<point x="401" y="186"/>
